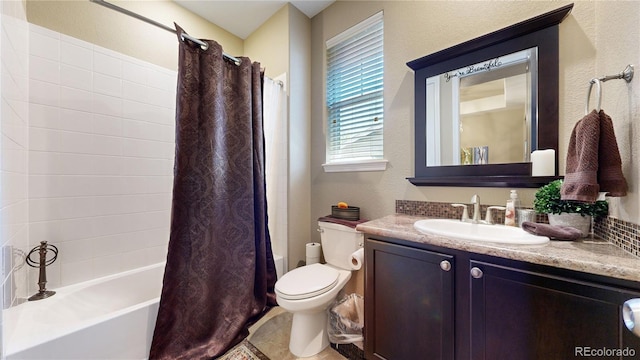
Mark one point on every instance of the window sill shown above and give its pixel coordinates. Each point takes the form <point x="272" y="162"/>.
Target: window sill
<point x="363" y="165"/>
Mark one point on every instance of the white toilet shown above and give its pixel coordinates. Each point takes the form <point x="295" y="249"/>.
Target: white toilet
<point x="308" y="291"/>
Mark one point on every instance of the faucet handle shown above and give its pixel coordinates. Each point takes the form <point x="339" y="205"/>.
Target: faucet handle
<point x="465" y="212"/>
<point x="487" y="218"/>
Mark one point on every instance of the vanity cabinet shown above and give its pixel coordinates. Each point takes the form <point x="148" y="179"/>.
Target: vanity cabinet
<point x="517" y="313"/>
<point x="409" y="301"/>
<point x="487" y="307"/>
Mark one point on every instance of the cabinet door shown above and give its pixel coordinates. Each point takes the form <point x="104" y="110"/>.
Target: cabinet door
<point x="408" y="303"/>
<point x="517" y="314"/>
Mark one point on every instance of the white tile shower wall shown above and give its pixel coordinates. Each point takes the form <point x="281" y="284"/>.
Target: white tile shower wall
<point x="101" y="145"/>
<point x="14" y="121"/>
<point x="14" y="147"/>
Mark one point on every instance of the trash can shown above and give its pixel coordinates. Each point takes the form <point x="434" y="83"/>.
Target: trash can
<point x="346" y="320"/>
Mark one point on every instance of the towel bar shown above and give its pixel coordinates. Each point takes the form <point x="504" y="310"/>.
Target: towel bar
<point x="626" y="74"/>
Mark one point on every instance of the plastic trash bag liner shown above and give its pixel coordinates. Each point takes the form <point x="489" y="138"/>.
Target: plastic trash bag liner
<point x="346" y="320"/>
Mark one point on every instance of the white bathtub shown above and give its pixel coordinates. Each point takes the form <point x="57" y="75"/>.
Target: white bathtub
<point x="279" y="261"/>
<point x="108" y="318"/>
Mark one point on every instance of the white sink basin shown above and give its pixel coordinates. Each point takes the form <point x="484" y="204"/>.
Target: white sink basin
<point x="478" y="232"/>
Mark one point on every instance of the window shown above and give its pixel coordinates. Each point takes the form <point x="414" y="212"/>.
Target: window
<point x="355" y="107"/>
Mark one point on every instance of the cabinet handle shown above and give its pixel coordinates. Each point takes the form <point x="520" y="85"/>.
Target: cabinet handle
<point x="476" y="273"/>
<point x="445" y="265"/>
<point x="631" y="315"/>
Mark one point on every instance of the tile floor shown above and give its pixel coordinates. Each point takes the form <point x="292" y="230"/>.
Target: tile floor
<point x="271" y="336"/>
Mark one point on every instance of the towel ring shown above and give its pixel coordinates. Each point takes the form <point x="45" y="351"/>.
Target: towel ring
<point x="626" y="74"/>
<point x="598" y="95"/>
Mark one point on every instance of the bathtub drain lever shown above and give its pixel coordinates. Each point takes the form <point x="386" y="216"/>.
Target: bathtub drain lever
<point x="42" y="249"/>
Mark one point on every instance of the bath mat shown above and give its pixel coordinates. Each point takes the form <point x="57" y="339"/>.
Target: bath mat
<point x="244" y="351"/>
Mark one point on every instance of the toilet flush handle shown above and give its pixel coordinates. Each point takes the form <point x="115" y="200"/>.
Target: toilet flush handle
<point x="320" y="230"/>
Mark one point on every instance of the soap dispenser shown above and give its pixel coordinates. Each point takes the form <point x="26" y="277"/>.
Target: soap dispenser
<point x="510" y="214"/>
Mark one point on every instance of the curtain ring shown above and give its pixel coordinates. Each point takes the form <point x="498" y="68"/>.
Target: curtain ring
<point x="598" y="95"/>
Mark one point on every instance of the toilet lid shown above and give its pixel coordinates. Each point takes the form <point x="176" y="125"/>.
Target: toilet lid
<point x="307" y="281"/>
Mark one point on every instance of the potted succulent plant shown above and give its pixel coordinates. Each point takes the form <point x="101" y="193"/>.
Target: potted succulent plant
<point x="564" y="212"/>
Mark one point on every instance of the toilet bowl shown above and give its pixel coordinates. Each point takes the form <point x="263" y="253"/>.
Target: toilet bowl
<point x="307" y="291"/>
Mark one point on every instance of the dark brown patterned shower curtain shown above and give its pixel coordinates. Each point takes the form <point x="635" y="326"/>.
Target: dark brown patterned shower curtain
<point x="220" y="272"/>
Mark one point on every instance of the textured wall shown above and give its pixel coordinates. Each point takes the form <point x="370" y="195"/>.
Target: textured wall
<point x="589" y="45"/>
<point x="618" y="43"/>
<point x="269" y="44"/>
<point x="299" y="135"/>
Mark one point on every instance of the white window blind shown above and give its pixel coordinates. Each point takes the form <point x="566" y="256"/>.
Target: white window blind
<point x="355" y="71"/>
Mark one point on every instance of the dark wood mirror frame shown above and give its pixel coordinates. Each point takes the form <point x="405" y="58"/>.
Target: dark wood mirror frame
<point x="540" y="31"/>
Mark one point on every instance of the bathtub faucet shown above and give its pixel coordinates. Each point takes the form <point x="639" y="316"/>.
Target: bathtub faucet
<point x="42" y="264"/>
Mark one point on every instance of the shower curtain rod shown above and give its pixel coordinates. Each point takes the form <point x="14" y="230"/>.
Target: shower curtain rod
<point x="183" y="35"/>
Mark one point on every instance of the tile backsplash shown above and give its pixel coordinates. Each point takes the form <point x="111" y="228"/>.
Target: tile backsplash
<point x="623" y="234"/>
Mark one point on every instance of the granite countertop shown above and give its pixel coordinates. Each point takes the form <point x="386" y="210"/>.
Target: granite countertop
<point x="587" y="255"/>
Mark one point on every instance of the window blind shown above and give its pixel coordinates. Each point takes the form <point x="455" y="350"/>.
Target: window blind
<point x="355" y="71"/>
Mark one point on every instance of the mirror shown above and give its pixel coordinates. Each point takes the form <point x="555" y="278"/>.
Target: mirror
<point x="483" y="113"/>
<point x="482" y="107"/>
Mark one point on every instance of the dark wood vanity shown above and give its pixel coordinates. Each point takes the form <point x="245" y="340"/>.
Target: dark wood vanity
<point x="425" y="301"/>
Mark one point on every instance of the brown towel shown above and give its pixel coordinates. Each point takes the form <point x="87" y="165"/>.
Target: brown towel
<point x="610" y="175"/>
<point x="593" y="160"/>
<point x="335" y="220"/>
<point x="551" y="231"/>
<point x="581" y="178"/>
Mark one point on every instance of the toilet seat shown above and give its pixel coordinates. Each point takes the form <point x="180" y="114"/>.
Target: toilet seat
<point x="306" y="282"/>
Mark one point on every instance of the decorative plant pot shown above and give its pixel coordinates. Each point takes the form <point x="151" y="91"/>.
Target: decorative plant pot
<point x="582" y="223"/>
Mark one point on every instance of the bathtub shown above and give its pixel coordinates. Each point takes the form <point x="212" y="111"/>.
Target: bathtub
<point x="107" y="318"/>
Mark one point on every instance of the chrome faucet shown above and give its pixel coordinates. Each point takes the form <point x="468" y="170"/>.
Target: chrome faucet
<point x="488" y="219"/>
<point x="475" y="200"/>
<point x="465" y="212"/>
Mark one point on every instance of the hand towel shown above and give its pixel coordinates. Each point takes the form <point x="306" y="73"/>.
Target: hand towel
<point x="551" y="231"/>
<point x="581" y="178"/>
<point x="610" y="177"/>
<point x="335" y="220"/>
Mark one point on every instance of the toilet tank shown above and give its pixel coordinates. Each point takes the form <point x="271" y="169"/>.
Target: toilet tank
<point x="338" y="243"/>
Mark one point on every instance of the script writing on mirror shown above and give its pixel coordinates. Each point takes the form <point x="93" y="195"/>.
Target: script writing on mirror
<point x="489" y="65"/>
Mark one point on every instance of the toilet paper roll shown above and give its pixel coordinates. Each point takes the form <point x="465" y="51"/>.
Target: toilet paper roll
<point x="313" y="252"/>
<point x="357" y="259"/>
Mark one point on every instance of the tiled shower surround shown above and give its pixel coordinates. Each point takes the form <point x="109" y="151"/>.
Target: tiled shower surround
<point x="14" y="108"/>
<point x="97" y="140"/>
<point x="621" y="233"/>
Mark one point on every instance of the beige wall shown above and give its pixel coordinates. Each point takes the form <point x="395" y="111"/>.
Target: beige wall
<point x="99" y="25"/>
<point x="591" y="45"/>
<point x="269" y="44"/>
<point x="282" y="46"/>
<point x="300" y="203"/>
<point x="617" y="43"/>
